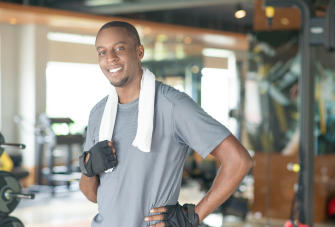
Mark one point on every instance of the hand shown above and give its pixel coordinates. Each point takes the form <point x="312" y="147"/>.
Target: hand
<point x="157" y="217"/>
<point x="110" y="143"/>
<point x="174" y="216"/>
<point x="101" y="157"/>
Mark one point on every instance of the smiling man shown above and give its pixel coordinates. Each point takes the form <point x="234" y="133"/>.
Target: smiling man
<point x="137" y="142"/>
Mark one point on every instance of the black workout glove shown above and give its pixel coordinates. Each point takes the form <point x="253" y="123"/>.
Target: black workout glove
<point x="181" y="216"/>
<point x="101" y="158"/>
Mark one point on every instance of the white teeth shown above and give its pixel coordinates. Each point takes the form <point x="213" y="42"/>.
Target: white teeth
<point x="114" y="70"/>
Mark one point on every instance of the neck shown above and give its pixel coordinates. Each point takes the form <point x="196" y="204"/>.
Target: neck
<point x="130" y="92"/>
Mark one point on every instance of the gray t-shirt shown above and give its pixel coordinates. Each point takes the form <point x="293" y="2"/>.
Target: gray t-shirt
<point x="142" y="180"/>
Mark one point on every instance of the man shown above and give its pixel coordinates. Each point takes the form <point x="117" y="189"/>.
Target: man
<point x="143" y="186"/>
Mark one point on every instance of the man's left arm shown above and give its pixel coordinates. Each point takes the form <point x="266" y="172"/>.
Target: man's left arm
<point x="235" y="164"/>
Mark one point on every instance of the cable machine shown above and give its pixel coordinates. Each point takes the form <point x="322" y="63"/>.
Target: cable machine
<point x="305" y="193"/>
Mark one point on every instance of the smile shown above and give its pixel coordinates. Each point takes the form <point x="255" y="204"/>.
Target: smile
<point x="114" y="70"/>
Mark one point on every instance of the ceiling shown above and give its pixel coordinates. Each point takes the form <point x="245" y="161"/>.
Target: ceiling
<point x="213" y="14"/>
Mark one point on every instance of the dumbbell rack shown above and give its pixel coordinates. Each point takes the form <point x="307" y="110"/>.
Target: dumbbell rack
<point x="10" y="191"/>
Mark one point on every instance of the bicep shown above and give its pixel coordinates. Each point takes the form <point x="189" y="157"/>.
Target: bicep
<point x="230" y="150"/>
<point x="196" y="128"/>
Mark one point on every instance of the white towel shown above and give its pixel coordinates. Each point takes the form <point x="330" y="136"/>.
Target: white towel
<point x="145" y="113"/>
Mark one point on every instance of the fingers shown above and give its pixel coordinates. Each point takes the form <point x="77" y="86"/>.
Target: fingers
<point x="158" y="210"/>
<point x="87" y="157"/>
<point x="110" y="144"/>
<point x="113" y="149"/>
<point x="161" y="224"/>
<point x="157" y="217"/>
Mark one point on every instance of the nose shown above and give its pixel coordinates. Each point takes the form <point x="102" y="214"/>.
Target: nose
<point x="111" y="56"/>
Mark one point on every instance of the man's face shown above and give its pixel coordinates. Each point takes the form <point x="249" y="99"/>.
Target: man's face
<point x="119" y="55"/>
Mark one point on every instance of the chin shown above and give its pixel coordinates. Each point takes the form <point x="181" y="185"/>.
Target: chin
<point x="120" y="83"/>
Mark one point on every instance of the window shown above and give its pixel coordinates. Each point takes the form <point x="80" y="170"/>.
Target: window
<point x="72" y="90"/>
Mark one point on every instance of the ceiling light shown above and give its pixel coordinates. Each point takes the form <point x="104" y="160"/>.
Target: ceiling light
<point x="71" y="38"/>
<point x="285" y="21"/>
<point x="102" y="2"/>
<point x="240" y="12"/>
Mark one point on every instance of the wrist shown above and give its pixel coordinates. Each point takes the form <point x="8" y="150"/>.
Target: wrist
<point x="197" y="211"/>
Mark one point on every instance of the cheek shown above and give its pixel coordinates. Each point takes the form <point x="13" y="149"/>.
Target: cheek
<point x="101" y="62"/>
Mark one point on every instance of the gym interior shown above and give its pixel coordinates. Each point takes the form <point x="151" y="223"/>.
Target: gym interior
<point x="263" y="68"/>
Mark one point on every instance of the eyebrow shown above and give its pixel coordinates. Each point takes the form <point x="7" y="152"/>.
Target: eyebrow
<point x="120" y="42"/>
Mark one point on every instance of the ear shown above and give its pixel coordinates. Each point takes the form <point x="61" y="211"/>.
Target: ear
<point x="140" y="51"/>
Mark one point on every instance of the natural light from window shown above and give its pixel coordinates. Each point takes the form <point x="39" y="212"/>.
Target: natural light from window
<point x="219" y="95"/>
<point x="220" y="89"/>
<point x="73" y="89"/>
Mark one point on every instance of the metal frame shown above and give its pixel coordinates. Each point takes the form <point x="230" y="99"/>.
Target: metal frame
<point x="306" y="143"/>
<point x="329" y="36"/>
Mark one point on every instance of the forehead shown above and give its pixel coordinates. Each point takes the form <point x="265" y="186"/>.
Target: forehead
<point x="114" y="35"/>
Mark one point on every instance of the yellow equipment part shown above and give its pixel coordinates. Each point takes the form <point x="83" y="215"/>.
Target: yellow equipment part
<point x="6" y="163"/>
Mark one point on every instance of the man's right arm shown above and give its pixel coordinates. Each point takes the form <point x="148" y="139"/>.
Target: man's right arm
<point x="89" y="187"/>
<point x="92" y="163"/>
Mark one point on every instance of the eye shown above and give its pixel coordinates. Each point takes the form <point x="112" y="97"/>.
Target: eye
<point x="121" y="48"/>
<point x="101" y="52"/>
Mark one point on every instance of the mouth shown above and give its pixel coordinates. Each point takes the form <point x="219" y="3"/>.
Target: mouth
<point x="114" y="70"/>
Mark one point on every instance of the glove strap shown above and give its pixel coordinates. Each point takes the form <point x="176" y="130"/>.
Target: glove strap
<point x="192" y="217"/>
<point x="83" y="166"/>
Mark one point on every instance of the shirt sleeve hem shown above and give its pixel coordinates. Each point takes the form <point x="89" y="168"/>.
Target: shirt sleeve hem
<point x="206" y="151"/>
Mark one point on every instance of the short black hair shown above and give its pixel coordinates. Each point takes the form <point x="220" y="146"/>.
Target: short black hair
<point x="122" y="24"/>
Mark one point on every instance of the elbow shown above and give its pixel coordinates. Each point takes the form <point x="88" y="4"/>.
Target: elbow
<point x="248" y="162"/>
<point x="89" y="191"/>
<point x="93" y="199"/>
<point x="90" y="195"/>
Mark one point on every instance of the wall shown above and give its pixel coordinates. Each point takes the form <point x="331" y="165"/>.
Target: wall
<point x="8" y="80"/>
<point x="24" y="53"/>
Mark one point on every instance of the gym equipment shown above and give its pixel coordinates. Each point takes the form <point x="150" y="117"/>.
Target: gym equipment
<point x="11" y="222"/>
<point x="10" y="190"/>
<point x="10" y="193"/>
<point x="12" y="163"/>
<point x="237" y="206"/>
<point x="306" y="148"/>
<point x="329" y="26"/>
<point x="290" y="224"/>
<point x="47" y="142"/>
<point x="6" y="162"/>
<point x="4" y="145"/>
<point x="204" y="172"/>
<point x="331" y="208"/>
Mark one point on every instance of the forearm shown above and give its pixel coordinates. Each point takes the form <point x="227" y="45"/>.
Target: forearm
<point x="235" y="164"/>
<point x="223" y="186"/>
<point x="89" y="187"/>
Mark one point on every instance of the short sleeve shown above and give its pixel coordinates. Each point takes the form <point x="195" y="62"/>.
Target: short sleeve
<point x="195" y="128"/>
<point x="94" y="124"/>
<point x="89" y="141"/>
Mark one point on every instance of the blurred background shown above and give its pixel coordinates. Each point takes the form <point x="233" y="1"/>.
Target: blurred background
<point x="263" y="68"/>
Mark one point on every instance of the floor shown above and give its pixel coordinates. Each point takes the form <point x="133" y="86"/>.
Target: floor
<point x="72" y="209"/>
